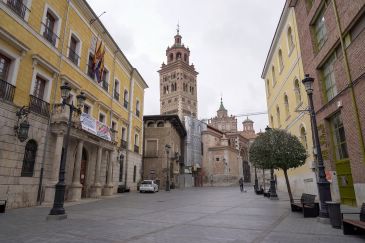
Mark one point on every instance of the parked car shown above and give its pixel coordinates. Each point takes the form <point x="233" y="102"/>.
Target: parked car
<point x="148" y="186"/>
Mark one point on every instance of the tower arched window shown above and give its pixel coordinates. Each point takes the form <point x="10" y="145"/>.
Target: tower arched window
<point x="290" y="39"/>
<point x="178" y="56"/>
<point x="303" y="137"/>
<point x="273" y="75"/>
<point x="298" y="96"/>
<point x="160" y="124"/>
<point x="281" y="62"/>
<point x="30" y="154"/>
<point x="278" y="116"/>
<point x="185" y="57"/>
<point x="286" y="103"/>
<point x="171" y="57"/>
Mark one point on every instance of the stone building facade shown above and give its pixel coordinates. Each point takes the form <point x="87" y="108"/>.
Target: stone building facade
<point x="286" y="99"/>
<point x="222" y="121"/>
<point x="159" y="131"/>
<point x="332" y="37"/>
<point x="43" y="45"/>
<point x="178" y="89"/>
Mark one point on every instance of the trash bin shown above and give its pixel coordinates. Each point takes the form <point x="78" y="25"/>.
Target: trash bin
<point x="334" y="211"/>
<point x="2" y="206"/>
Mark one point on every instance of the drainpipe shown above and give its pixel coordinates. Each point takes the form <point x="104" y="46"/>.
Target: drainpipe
<point x="130" y="114"/>
<point x="48" y="132"/>
<point x="350" y="84"/>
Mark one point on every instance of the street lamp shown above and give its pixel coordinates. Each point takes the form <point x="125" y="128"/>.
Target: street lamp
<point x="323" y="184"/>
<point x="59" y="198"/>
<point x="167" y="149"/>
<point x="273" y="194"/>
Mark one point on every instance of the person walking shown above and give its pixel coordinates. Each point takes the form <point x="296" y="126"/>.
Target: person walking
<point x="241" y="185"/>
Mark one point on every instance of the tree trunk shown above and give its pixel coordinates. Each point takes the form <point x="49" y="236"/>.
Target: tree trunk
<point x="288" y="185"/>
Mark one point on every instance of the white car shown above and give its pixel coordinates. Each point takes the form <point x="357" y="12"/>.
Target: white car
<point x="148" y="186"/>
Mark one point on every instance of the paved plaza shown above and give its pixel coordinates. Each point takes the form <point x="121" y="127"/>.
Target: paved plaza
<point x="190" y="215"/>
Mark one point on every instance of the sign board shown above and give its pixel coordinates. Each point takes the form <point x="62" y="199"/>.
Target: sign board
<point x="89" y="124"/>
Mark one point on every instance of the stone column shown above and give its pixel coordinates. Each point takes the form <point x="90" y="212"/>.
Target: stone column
<point x="96" y="188"/>
<point x="55" y="169"/>
<point x="75" y="189"/>
<point x="108" y="188"/>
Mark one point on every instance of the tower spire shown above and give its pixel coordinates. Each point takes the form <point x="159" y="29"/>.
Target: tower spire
<point x="178" y="27"/>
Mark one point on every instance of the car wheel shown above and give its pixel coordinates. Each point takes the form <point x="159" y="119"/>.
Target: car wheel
<point x="140" y="191"/>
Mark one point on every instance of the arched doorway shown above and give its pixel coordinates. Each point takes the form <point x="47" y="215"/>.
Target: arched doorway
<point x="246" y="171"/>
<point x="83" y="171"/>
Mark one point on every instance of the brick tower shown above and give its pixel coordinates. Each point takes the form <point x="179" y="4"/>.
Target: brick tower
<point x="178" y="90"/>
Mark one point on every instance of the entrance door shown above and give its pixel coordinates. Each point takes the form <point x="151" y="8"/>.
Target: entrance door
<point x="83" y="173"/>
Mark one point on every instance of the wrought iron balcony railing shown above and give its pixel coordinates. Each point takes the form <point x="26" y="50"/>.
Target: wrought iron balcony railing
<point x="38" y="106"/>
<point x="18" y="7"/>
<point x="125" y="104"/>
<point x="116" y="95"/>
<point x="72" y="55"/>
<point x="49" y="35"/>
<point x="6" y="91"/>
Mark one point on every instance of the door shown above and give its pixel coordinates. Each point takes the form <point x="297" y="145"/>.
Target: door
<point x="39" y="87"/>
<point x="83" y="173"/>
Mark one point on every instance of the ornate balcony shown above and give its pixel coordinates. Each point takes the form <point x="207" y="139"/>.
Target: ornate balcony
<point x="18" y="7"/>
<point x="6" y="91"/>
<point x="39" y="106"/>
<point x="49" y="35"/>
<point x="61" y="114"/>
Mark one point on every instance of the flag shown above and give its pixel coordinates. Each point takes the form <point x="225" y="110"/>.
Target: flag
<point x="98" y="61"/>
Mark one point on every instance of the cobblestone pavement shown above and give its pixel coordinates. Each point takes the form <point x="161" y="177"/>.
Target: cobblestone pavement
<point x="190" y="215"/>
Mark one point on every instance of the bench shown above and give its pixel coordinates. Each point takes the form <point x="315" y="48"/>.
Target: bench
<point x="306" y="205"/>
<point x="2" y="206"/>
<point x="354" y="227"/>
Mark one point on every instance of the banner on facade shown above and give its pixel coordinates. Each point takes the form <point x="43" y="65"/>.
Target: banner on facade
<point x="88" y="123"/>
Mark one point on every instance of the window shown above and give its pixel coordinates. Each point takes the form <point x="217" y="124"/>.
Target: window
<point x="19" y="8"/>
<point x="116" y="89"/>
<point x="273" y="76"/>
<point x="151" y="124"/>
<point x="178" y="56"/>
<point x="39" y="87"/>
<point x="278" y="116"/>
<point x="6" y="89"/>
<point x="329" y="78"/>
<point x="171" y="57"/>
<point x="136" y="143"/>
<point x="49" y="27"/>
<point x="125" y="99"/>
<point x="30" y="154"/>
<point x="320" y="31"/>
<point x="298" y="96"/>
<point x="286" y="103"/>
<point x="281" y="63"/>
<point x="105" y="80"/>
<point x="137" y="108"/>
<point x="303" y="137"/>
<point x="114" y="126"/>
<point x="185" y="57"/>
<point x="290" y="40"/>
<point x="74" y="50"/>
<point x="124" y="134"/>
<point x="90" y="70"/>
<point x="86" y="109"/>
<point x="339" y="137"/>
<point x="134" y="173"/>
<point x="4" y="67"/>
<point x="160" y="124"/>
<point x="101" y="118"/>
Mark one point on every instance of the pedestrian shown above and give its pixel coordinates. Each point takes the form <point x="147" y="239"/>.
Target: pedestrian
<point x="241" y="185"/>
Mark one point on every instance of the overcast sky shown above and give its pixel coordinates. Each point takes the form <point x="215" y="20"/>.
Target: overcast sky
<point x="228" y="41"/>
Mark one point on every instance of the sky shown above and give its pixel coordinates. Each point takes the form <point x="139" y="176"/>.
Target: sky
<point x="228" y="41"/>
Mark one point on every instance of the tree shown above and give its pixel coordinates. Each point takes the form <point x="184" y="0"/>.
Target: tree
<point x="278" y="149"/>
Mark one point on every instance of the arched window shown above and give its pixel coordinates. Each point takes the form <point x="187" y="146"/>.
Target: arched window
<point x="178" y="56"/>
<point x="268" y="87"/>
<point x="164" y="90"/>
<point x="30" y="154"/>
<point x="160" y="124"/>
<point x="281" y="62"/>
<point x="303" y="137"/>
<point x="278" y="116"/>
<point x="150" y="124"/>
<point x="273" y="76"/>
<point x="286" y="103"/>
<point x="171" y="57"/>
<point x="185" y="57"/>
<point x="290" y="40"/>
<point x="298" y="96"/>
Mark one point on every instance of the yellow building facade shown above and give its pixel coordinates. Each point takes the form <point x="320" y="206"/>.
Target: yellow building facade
<point x="286" y="99"/>
<point x="43" y="45"/>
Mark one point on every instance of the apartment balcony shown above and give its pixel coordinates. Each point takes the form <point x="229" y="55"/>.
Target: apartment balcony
<point x="123" y="144"/>
<point x="136" y="149"/>
<point x="6" y="91"/>
<point x="125" y="104"/>
<point x="18" y="7"/>
<point x="116" y="95"/>
<point x="49" y="35"/>
<point x="105" y="85"/>
<point x="73" y="57"/>
<point x="61" y="114"/>
<point x="38" y="106"/>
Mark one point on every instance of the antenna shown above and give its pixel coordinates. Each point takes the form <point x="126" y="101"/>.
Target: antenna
<point x="93" y="20"/>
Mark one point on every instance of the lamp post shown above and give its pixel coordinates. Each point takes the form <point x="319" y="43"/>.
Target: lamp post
<point x="167" y="149"/>
<point x="273" y="194"/>
<point x="323" y="184"/>
<point x="59" y="198"/>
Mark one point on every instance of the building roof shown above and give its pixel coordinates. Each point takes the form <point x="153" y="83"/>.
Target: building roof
<point x="247" y="120"/>
<point x="221" y="107"/>
<point x="173" y="119"/>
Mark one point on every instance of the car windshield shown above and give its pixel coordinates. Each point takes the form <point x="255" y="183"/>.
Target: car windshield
<point x="146" y="182"/>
